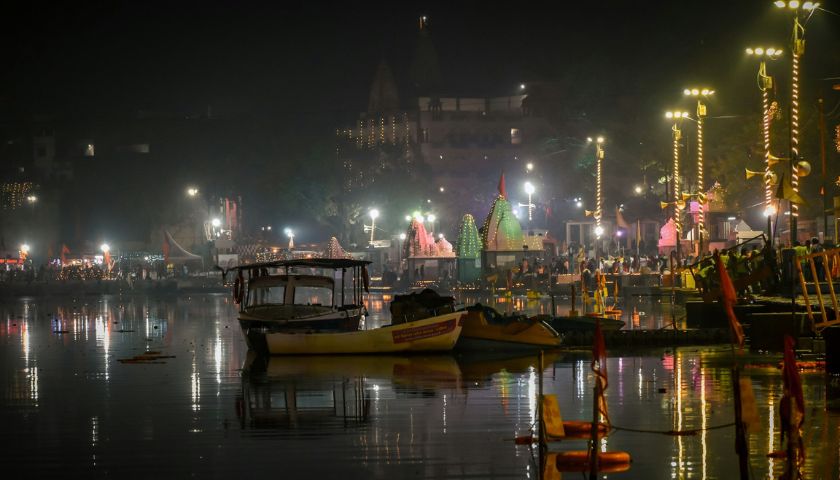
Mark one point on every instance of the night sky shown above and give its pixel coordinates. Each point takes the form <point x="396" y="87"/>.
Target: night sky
<point x="315" y="62"/>
<point x="306" y="69"/>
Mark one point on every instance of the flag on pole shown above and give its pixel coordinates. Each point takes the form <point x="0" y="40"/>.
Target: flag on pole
<point x="599" y="367"/>
<point x="786" y="192"/>
<point x="638" y="234"/>
<point x="728" y="298"/>
<point x="64" y="252"/>
<point x="619" y="219"/>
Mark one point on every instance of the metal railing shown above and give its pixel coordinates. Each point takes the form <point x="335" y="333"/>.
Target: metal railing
<point x="830" y="270"/>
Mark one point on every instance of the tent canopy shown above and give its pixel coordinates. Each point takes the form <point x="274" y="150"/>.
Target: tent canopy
<point x="175" y="253"/>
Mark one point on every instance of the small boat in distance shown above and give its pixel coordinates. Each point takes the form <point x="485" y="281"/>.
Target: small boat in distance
<point x="581" y="323"/>
<point x="298" y="296"/>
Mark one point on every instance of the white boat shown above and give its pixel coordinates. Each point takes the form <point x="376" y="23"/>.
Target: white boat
<point x="298" y="296"/>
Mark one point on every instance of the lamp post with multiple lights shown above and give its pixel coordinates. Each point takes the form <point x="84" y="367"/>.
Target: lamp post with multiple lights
<point x="700" y="94"/>
<point x="529" y="189"/>
<point x="374" y="214"/>
<point x="677" y="116"/>
<point x="765" y="84"/>
<point x="797" y="50"/>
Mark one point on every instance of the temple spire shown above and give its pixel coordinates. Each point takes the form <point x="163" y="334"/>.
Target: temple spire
<point x="384" y="97"/>
<point x="502" y="191"/>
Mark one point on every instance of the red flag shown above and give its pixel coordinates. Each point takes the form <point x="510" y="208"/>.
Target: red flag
<point x="599" y="367"/>
<point x="728" y="298"/>
<point x="792" y="406"/>
<point x="64" y="252"/>
<point x="107" y="261"/>
<point x="166" y="247"/>
<point x="502" y="191"/>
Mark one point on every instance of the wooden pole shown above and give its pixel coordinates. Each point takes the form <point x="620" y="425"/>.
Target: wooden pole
<point x="593" y="453"/>
<point x="543" y="443"/>
<point x="740" y="434"/>
<point x="824" y="185"/>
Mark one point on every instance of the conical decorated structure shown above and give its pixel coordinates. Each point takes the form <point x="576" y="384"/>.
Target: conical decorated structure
<point x="468" y="250"/>
<point x="418" y="242"/>
<point x="501" y="230"/>
<point x="444" y="248"/>
<point x="468" y="244"/>
<point x="334" y="250"/>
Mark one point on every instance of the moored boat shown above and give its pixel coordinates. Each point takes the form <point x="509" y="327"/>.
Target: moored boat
<point x="487" y="329"/>
<point x="437" y="333"/>
<point x="582" y="323"/>
<point x="299" y="296"/>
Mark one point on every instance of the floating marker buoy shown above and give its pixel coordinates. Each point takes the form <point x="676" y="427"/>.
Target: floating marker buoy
<point x="578" y="461"/>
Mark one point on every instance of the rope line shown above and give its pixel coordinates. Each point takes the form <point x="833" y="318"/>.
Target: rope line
<point x="676" y="433"/>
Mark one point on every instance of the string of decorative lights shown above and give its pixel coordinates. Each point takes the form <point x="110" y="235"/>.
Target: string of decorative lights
<point x="701" y="219"/>
<point x="765" y="124"/>
<point x="794" y="123"/>
<point x="675" y="183"/>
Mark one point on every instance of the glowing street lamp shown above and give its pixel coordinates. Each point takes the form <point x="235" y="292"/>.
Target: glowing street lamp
<point x="677" y="116"/>
<point x="31" y="199"/>
<point x="192" y="191"/>
<point x="289" y="233"/>
<point x="105" y="248"/>
<point x="765" y="84"/>
<point x="431" y="219"/>
<point x="216" y="222"/>
<point x="529" y="189"/>
<point x="529" y="166"/>
<point x="374" y="214"/>
<point x="797" y="50"/>
<point x="700" y="94"/>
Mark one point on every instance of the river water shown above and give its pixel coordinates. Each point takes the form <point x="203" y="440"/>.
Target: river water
<point x="164" y="387"/>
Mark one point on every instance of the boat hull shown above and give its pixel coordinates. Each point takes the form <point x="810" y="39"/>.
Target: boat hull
<point x="512" y="335"/>
<point x="255" y="326"/>
<point x="438" y="333"/>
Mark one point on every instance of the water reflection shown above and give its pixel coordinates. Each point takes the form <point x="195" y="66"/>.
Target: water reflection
<point x="449" y="416"/>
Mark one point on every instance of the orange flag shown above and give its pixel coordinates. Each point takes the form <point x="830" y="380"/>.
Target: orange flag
<point x="728" y="298"/>
<point x="64" y="252"/>
<point x="599" y="367"/>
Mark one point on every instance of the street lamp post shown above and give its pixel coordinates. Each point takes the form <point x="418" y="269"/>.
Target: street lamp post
<point x="677" y="116"/>
<point x="765" y="84"/>
<point x="431" y="219"/>
<point x="700" y="94"/>
<point x="291" y="234"/>
<point x="797" y="50"/>
<point x="529" y="189"/>
<point x="374" y="214"/>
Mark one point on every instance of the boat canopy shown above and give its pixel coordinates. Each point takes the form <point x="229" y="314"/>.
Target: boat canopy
<point x="299" y="280"/>
<point x="333" y="263"/>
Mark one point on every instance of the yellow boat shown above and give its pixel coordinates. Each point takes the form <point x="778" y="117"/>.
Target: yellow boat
<point x="437" y="333"/>
<point x="486" y="329"/>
